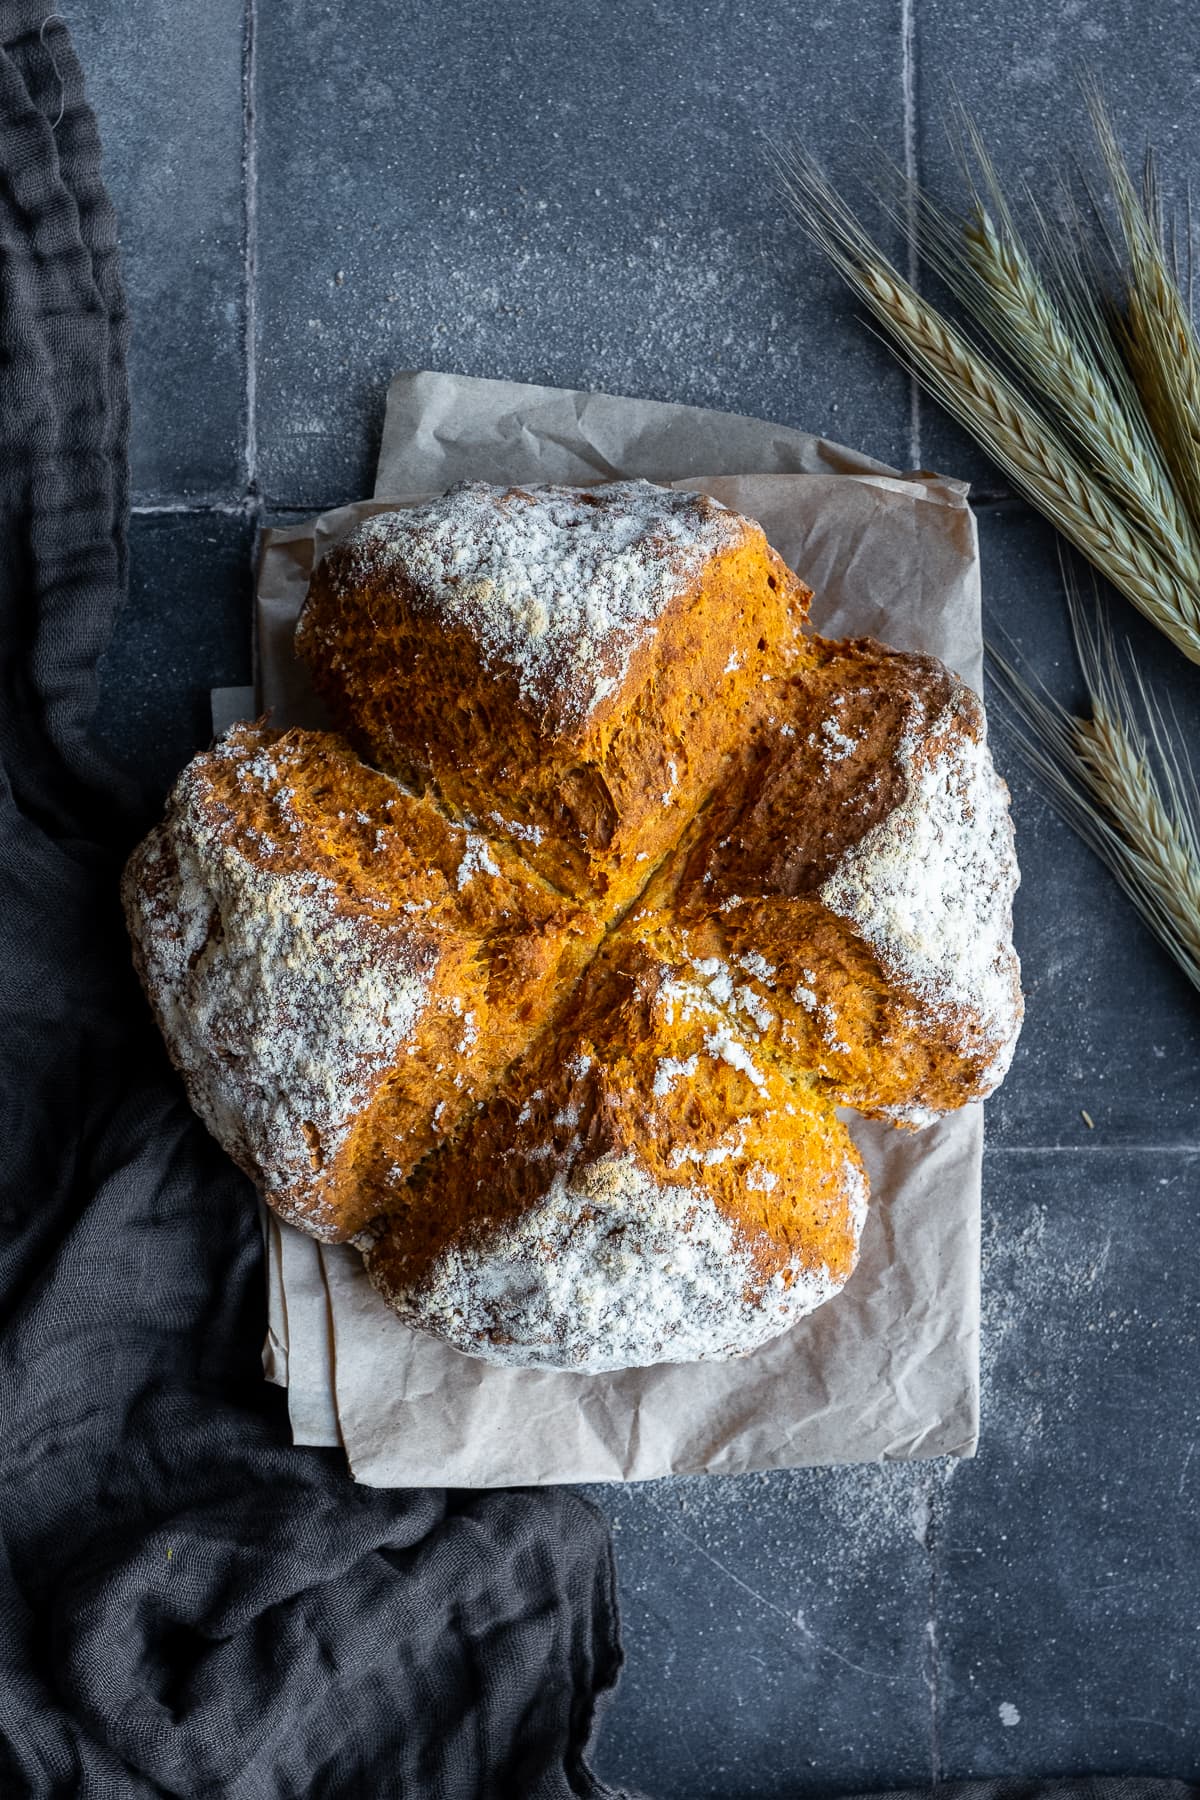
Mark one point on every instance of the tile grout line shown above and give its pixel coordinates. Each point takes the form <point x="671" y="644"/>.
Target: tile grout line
<point x="249" y="505"/>
<point x="250" y="246"/>
<point x="908" y="83"/>
<point x="233" y="507"/>
<point x="932" y="1545"/>
<point x="992" y="1150"/>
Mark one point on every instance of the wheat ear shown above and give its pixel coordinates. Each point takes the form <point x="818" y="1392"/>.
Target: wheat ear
<point x="1013" y="430"/>
<point x="1025" y="321"/>
<point x="1156" y="332"/>
<point x="1127" y="795"/>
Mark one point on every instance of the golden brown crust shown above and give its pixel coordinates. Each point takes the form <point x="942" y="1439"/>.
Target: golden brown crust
<point x="560" y="1040"/>
<point x="593" y="787"/>
<point x="341" y="973"/>
<point x="840" y="752"/>
<point x="701" y="1202"/>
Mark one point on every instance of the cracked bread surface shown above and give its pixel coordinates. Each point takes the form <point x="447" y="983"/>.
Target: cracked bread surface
<point x="638" y="1189"/>
<point x="340" y="972"/>
<point x="566" y="665"/>
<point x="580" y="1077"/>
<point x="856" y="870"/>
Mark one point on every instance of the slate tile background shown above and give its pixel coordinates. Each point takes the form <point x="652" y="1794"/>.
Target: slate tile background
<point x="313" y="195"/>
<point x="562" y="192"/>
<point x="1067" y="1554"/>
<point x="166" y="81"/>
<point x="184" y="631"/>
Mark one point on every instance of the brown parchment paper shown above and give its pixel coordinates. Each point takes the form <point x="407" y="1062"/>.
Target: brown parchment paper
<point x="890" y="1367"/>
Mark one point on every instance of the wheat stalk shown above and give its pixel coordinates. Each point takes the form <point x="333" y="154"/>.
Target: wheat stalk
<point x="1115" y="438"/>
<point x="1060" y="344"/>
<point x="1125" y="794"/>
<point x="1156" y="331"/>
<point x="1014" y="430"/>
<point x="1095" y="418"/>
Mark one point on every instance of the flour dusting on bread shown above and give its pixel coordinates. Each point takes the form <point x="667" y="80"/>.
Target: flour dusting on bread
<point x="609" y="1269"/>
<point x="282" y="1012"/>
<point x="552" y="1009"/>
<point x="557" y="585"/>
<point x="313" y="939"/>
<point x="930" y="887"/>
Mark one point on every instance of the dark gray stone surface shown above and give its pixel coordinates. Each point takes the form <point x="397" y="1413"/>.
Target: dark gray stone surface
<point x="184" y="630"/>
<point x="166" y="82"/>
<point x="548" y="194"/>
<point x="578" y="195"/>
<point x="1031" y="1611"/>
<point x="776" y="1632"/>
<point x="1066" y="1555"/>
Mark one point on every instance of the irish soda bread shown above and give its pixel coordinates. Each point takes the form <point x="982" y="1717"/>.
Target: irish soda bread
<point x="545" y="982"/>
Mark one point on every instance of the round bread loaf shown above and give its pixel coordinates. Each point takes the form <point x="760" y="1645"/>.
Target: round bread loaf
<point x="544" y="988"/>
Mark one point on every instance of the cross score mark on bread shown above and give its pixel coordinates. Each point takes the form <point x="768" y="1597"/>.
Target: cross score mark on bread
<point x="550" y="1001"/>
